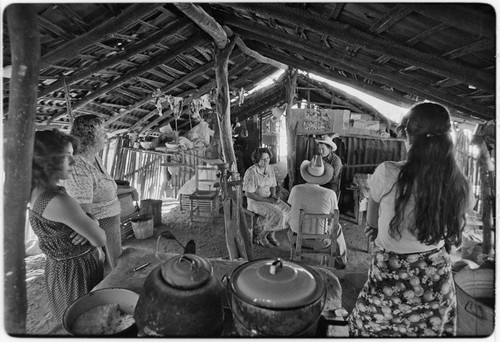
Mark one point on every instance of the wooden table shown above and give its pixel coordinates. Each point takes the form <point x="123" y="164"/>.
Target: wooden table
<point x="123" y="277"/>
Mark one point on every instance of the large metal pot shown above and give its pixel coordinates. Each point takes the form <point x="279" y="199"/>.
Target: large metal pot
<point x="181" y="297"/>
<point x="126" y="300"/>
<point x="276" y="298"/>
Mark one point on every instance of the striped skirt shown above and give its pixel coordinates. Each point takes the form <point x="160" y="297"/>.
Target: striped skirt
<point x="406" y="295"/>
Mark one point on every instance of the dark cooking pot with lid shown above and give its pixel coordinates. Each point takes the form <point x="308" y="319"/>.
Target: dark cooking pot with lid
<point x="181" y="297"/>
<point x="276" y="298"/>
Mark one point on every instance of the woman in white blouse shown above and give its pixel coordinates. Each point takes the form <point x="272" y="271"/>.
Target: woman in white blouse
<point x="92" y="186"/>
<point x="259" y="184"/>
<point x="416" y="211"/>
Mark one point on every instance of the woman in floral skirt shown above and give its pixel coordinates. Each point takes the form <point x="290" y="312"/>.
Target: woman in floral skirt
<point x="416" y="211"/>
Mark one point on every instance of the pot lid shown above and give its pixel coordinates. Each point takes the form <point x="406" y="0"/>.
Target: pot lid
<point x="277" y="284"/>
<point x="186" y="271"/>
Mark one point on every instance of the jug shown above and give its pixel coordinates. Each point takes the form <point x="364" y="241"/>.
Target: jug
<point x="180" y="298"/>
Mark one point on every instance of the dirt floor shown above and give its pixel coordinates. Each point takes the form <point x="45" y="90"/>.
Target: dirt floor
<point x="210" y="243"/>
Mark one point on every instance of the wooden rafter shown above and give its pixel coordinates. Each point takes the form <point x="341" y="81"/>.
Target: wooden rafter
<point x="166" y="89"/>
<point x="131" y="51"/>
<point x="163" y="58"/>
<point x="71" y="48"/>
<point x="354" y="65"/>
<point x="391" y="17"/>
<point x="460" y="17"/>
<point x="350" y="35"/>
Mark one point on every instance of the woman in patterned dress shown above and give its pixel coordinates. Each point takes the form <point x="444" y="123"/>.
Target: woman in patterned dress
<point x="416" y="210"/>
<point x="259" y="184"/>
<point x="72" y="269"/>
<point x="92" y="186"/>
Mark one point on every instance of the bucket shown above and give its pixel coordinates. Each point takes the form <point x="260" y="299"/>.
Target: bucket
<point x="143" y="226"/>
<point x="475" y="302"/>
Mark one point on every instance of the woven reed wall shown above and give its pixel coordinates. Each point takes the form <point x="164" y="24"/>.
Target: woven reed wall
<point x="145" y="172"/>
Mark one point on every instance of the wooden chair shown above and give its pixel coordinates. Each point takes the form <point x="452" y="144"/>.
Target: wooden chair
<point x="248" y="215"/>
<point x="314" y="222"/>
<point x="204" y="200"/>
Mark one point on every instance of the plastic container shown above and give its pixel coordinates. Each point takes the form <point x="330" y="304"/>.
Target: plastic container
<point x="475" y="302"/>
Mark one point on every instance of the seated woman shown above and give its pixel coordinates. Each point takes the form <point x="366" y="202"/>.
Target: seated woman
<point x="259" y="184"/>
<point x="68" y="236"/>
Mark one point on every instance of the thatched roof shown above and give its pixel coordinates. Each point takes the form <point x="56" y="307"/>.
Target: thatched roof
<point x="110" y="58"/>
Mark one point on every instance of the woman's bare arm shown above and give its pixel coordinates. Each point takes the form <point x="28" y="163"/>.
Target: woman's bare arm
<point x="65" y="209"/>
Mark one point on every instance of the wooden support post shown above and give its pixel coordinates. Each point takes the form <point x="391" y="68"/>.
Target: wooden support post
<point x="223" y="112"/>
<point x="291" y="127"/>
<point x="18" y="149"/>
<point x="486" y="170"/>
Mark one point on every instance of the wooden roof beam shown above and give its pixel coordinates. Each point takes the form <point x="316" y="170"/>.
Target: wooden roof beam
<point x="460" y="104"/>
<point x="163" y="58"/>
<point x="474" y="110"/>
<point x="345" y="62"/>
<point x="71" y="48"/>
<point x="350" y="35"/>
<point x="171" y="29"/>
<point x="257" y="56"/>
<point x="166" y="89"/>
<point x="391" y="17"/>
<point x="205" y="22"/>
<point x="200" y="91"/>
<point x="461" y="17"/>
<point x="191" y="94"/>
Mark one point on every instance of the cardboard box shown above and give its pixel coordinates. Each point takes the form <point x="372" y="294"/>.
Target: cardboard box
<point x="362" y="131"/>
<point x="363" y="117"/>
<point x="371" y="125"/>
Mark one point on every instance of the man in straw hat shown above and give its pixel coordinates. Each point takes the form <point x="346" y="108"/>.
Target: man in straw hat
<point x="326" y="148"/>
<point x="314" y="198"/>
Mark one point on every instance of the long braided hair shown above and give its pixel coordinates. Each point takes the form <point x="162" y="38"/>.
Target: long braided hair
<point x="431" y="178"/>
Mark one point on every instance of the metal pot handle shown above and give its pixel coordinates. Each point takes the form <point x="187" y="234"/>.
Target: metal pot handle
<point x="274" y="266"/>
<point x="157" y="243"/>
<point x="474" y="309"/>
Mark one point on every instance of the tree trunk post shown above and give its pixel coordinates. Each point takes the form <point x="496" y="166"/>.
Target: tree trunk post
<point x="291" y="127"/>
<point x="19" y="133"/>
<point x="486" y="171"/>
<point x="223" y="105"/>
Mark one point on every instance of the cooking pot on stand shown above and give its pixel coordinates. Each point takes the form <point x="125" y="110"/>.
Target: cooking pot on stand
<point x="272" y="298"/>
<point x="181" y="297"/>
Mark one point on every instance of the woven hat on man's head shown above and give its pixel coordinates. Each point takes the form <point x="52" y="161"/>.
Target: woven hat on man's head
<point x="316" y="171"/>
<point x="327" y="141"/>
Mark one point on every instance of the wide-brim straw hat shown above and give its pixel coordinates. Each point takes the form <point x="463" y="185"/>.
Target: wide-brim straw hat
<point x="316" y="171"/>
<point x="327" y="141"/>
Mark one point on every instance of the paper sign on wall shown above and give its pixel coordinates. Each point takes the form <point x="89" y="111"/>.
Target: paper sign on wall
<point x="321" y="121"/>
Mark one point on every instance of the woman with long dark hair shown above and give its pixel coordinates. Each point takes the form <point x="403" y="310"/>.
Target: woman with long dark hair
<point x="72" y="268"/>
<point x="415" y="211"/>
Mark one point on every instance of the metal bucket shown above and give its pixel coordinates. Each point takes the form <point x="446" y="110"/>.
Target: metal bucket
<point x="475" y="302"/>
